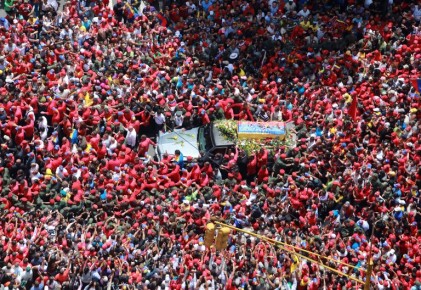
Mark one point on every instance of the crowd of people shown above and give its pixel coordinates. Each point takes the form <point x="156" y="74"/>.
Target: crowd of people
<point x="86" y="87"/>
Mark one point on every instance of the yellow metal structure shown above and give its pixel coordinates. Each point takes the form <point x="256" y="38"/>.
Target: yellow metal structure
<point x="222" y="238"/>
<point x="209" y="235"/>
<point x="368" y="276"/>
<point x="290" y="249"/>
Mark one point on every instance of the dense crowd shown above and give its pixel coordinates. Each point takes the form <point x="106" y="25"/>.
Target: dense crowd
<point x="85" y="89"/>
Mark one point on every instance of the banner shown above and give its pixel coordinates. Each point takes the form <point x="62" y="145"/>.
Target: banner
<point x="261" y="130"/>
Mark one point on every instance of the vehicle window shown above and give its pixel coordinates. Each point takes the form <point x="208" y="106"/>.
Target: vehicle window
<point x="204" y="140"/>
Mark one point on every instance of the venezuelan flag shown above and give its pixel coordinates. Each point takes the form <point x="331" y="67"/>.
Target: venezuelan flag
<point x="73" y="136"/>
<point x="416" y="83"/>
<point x="130" y="13"/>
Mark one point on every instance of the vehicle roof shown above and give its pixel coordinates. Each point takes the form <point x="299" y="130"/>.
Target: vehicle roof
<point x="218" y="139"/>
<point x="183" y="140"/>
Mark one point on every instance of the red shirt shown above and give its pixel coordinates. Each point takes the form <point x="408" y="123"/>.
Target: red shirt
<point x="62" y="277"/>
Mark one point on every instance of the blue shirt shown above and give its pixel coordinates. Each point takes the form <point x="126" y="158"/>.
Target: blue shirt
<point x="206" y="5"/>
<point x="39" y="287"/>
<point x="4" y="22"/>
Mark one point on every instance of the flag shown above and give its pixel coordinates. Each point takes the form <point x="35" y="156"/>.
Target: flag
<point x="129" y="11"/>
<point x="73" y="136"/>
<point x="163" y="21"/>
<point x="416" y="83"/>
<point x="352" y="111"/>
<point x="142" y="6"/>
<point x="295" y="263"/>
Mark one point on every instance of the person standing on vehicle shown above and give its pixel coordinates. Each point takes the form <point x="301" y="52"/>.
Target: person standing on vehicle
<point x="179" y="158"/>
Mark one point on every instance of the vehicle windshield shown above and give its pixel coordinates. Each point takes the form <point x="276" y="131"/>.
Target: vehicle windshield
<point x="203" y="138"/>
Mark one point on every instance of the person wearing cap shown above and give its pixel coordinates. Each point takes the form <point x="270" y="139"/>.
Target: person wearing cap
<point x="179" y="158"/>
<point x="112" y="204"/>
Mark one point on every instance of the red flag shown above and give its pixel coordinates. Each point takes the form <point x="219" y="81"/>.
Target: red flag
<point x="352" y="111"/>
<point x="162" y="19"/>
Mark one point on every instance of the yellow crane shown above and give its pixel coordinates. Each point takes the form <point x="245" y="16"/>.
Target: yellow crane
<point x="221" y="243"/>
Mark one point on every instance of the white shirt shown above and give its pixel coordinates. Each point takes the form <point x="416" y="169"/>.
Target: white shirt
<point x="26" y="275"/>
<point x="9" y="48"/>
<point x="17" y="270"/>
<point x="290" y="6"/>
<point x="131" y="137"/>
<point x="367" y="3"/>
<point x="159" y="119"/>
<point x="417" y="13"/>
<point x="277" y="116"/>
<point x="178" y="120"/>
<point x="61" y="173"/>
<point x="304" y="13"/>
<point x="112" y="145"/>
<point x="53" y="3"/>
<point x="65" y="33"/>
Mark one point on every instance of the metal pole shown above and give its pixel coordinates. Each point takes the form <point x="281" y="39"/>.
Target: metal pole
<point x="298" y="249"/>
<point x="370" y="256"/>
<point x="291" y="252"/>
<point x="368" y="276"/>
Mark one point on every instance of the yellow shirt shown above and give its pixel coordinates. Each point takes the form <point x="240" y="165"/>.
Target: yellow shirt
<point x="88" y="100"/>
<point x="88" y="148"/>
<point x="306" y="25"/>
<point x="348" y="98"/>
<point x="32" y="20"/>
